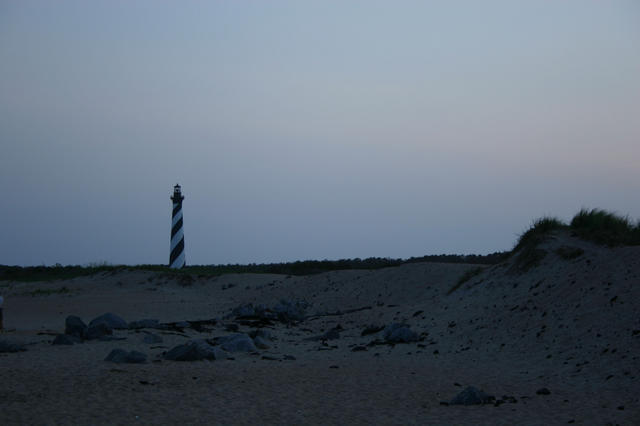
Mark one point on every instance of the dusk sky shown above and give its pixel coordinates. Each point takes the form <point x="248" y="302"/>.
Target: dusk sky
<point x="310" y="129"/>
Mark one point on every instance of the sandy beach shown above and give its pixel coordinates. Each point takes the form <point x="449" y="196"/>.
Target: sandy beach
<point x="569" y="325"/>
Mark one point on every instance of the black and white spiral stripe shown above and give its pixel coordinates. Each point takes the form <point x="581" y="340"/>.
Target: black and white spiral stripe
<point x="176" y="258"/>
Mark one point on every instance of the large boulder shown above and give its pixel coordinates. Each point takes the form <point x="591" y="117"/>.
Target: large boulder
<point x="98" y="331"/>
<point x="74" y="326"/>
<point x="399" y="333"/>
<point x="246" y="310"/>
<point x="195" y="350"/>
<point x="120" y="356"/>
<point x="112" y="321"/>
<point x="261" y="338"/>
<point x="260" y="343"/>
<point x="472" y="396"/>
<point x="66" y="339"/>
<point x="291" y="311"/>
<point x="238" y="342"/>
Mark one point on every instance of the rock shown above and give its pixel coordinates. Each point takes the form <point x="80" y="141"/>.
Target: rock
<point x="144" y="323"/>
<point x="399" y="333"/>
<point x="472" y="396"/>
<point x="66" y="339"/>
<point x="543" y="391"/>
<point x="219" y="354"/>
<point x="186" y="352"/>
<point x="509" y="399"/>
<point x="246" y="310"/>
<point x="152" y="338"/>
<point x="112" y="321"/>
<point x="120" y="356"/>
<point x="262" y="311"/>
<point x="117" y="355"/>
<point x="260" y="343"/>
<point x="97" y="331"/>
<point x="289" y="357"/>
<point x="195" y="350"/>
<point x="74" y="326"/>
<point x="10" y="347"/>
<point x="290" y="311"/>
<point x="372" y="329"/>
<point x="238" y="342"/>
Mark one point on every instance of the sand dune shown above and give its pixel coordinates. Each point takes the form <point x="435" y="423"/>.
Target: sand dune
<point x="569" y="324"/>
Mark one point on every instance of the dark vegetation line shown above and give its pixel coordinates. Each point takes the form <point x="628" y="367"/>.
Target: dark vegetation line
<point x="306" y="267"/>
<point x="595" y="225"/>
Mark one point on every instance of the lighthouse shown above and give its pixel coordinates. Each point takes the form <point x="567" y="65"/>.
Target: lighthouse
<point x="176" y="256"/>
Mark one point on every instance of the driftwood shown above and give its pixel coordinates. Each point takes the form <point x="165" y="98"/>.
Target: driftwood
<point x="338" y="313"/>
<point x="197" y="325"/>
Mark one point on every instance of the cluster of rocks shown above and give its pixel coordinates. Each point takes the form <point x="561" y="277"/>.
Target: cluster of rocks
<point x="471" y="396"/>
<point x="286" y="311"/>
<point x="219" y="347"/>
<point x="399" y="333"/>
<point x="100" y="328"/>
<point x="216" y="348"/>
<point x="392" y="334"/>
<point x="195" y="350"/>
<point x="474" y="396"/>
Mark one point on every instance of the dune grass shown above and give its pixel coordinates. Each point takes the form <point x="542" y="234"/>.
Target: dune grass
<point x="466" y="277"/>
<point x="596" y="225"/>
<point x="528" y="255"/>
<point x="605" y="228"/>
<point x="538" y="232"/>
